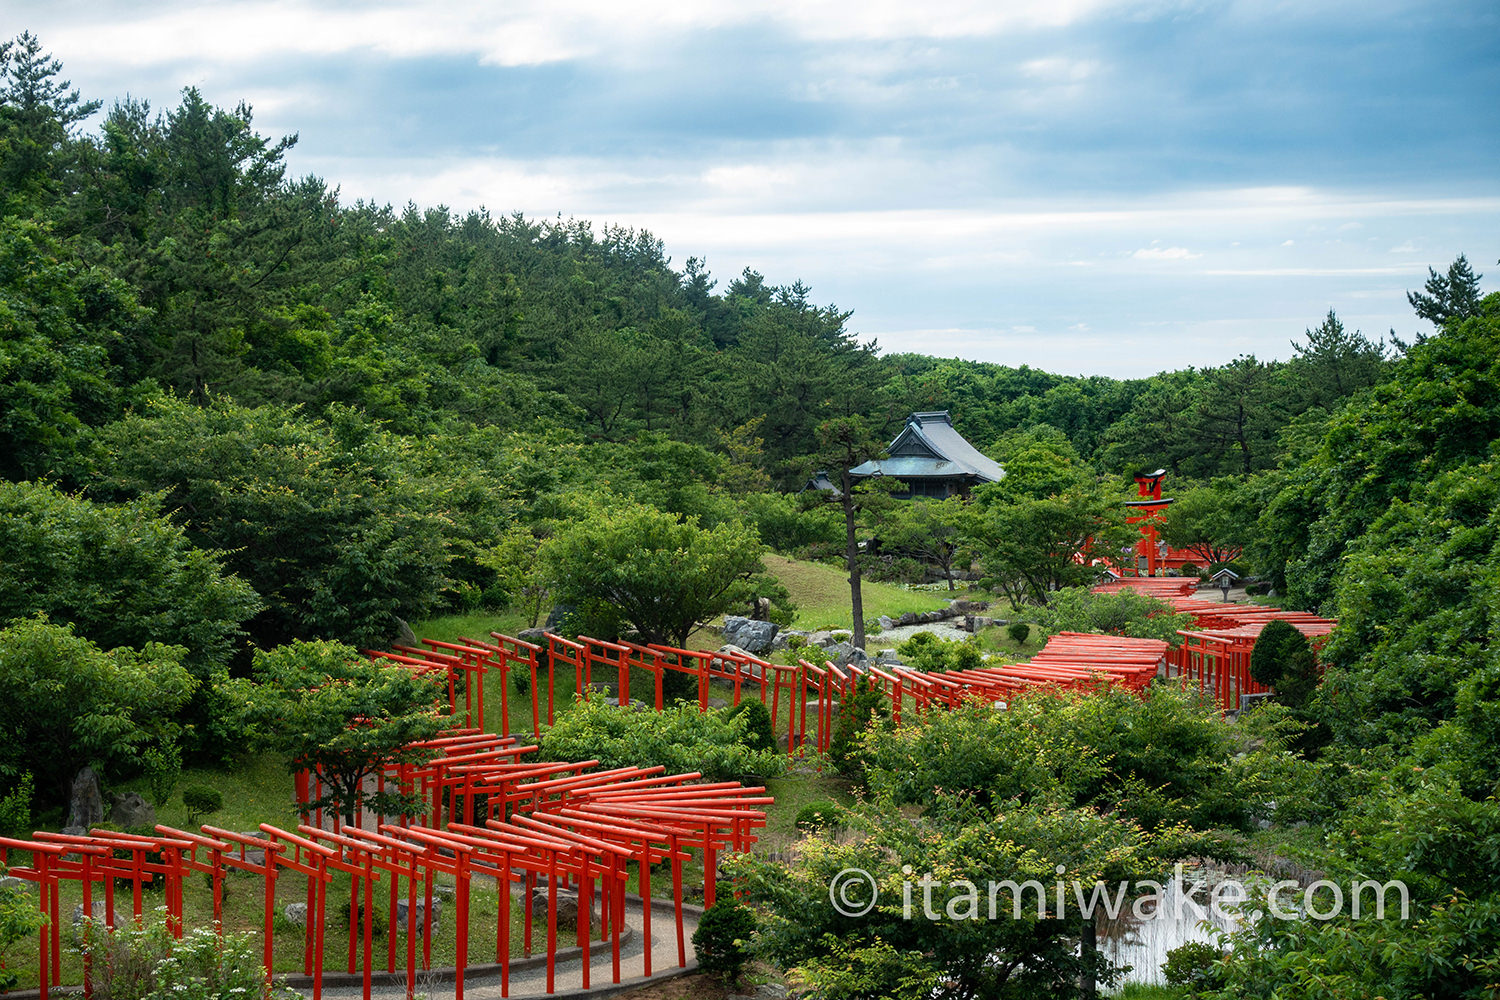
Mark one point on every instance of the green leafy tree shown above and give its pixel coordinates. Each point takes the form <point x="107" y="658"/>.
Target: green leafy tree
<point x="847" y="441"/>
<point x="38" y="115"/>
<point x="325" y="522"/>
<point x="1437" y="411"/>
<point x="1417" y="828"/>
<point x="1019" y="952"/>
<point x="1448" y="298"/>
<point x="519" y="571"/>
<point x="324" y="707"/>
<point x="663" y="577"/>
<point x="1238" y="412"/>
<point x="123" y="574"/>
<point x="1335" y="364"/>
<point x="1415" y="609"/>
<point x="934" y="531"/>
<point x="19" y="919"/>
<point x="1214" y="521"/>
<point x="1031" y="547"/>
<point x="61" y="347"/>
<point x="65" y="703"/>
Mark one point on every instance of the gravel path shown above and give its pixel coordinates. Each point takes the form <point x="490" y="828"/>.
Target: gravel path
<point x="568" y="977"/>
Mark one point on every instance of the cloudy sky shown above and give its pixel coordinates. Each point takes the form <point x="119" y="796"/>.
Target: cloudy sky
<point x="1089" y="186"/>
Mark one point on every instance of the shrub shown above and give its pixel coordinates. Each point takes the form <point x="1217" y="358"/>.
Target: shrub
<point x="1191" y="569"/>
<point x="925" y="651"/>
<point x="723" y="938"/>
<point x="15" y="807"/>
<point x="856" y="713"/>
<point x="19" y="919"/>
<point x="1018" y="632"/>
<point x="1283" y="659"/>
<point x="201" y="801"/>
<point x="1126" y="612"/>
<point x="1193" y="965"/>
<point x="759" y="734"/>
<point x="163" y="766"/>
<point x="679" y="738"/>
<point x="135" y="962"/>
<point x="820" y="815"/>
<point x="377" y="918"/>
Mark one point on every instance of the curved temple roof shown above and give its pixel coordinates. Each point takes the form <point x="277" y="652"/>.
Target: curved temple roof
<point x="929" y="447"/>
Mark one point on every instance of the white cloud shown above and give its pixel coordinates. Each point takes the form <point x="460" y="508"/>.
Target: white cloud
<point x="1165" y="253"/>
<point x="517" y="32"/>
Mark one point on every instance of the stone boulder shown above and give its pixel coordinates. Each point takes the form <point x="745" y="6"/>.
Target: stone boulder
<point x="131" y="810"/>
<point x="784" y="638"/>
<point x="844" y="655"/>
<point x="753" y="636"/>
<point x="886" y="623"/>
<point x="296" y="914"/>
<point x="535" y="636"/>
<point x="557" y="617"/>
<point x="85" y="804"/>
<point x="567" y="907"/>
<point x="964" y="606"/>
<point x="404" y="635"/>
<point x="888" y="658"/>
<point x="419" y="917"/>
<point x="99" y="916"/>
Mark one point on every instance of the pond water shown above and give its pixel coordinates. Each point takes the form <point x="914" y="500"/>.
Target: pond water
<point x="1182" y="916"/>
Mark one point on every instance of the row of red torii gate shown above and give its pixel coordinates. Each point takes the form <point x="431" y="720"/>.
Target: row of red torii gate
<point x="495" y="811"/>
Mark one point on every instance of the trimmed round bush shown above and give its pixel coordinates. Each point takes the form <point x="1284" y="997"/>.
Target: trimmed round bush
<point x="723" y="938"/>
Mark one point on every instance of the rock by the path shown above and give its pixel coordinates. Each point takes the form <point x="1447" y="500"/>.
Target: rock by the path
<point x="419" y="917"/>
<point x="964" y="606"/>
<point x="296" y="914"/>
<point x="131" y="810"/>
<point x="567" y="907"/>
<point x="885" y="622"/>
<point x="829" y="637"/>
<point x="784" y="637"/>
<point x="749" y="634"/>
<point x="888" y="658"/>
<point x="98" y="914"/>
<point x="86" y="805"/>
<point x="535" y="636"/>
<point x="404" y="635"/>
<point x="844" y="655"/>
<point x="977" y="623"/>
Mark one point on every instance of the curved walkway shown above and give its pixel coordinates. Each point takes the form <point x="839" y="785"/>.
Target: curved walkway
<point x="530" y="980"/>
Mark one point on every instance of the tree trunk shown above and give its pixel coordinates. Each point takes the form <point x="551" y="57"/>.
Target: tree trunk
<point x="1089" y="946"/>
<point x="851" y="555"/>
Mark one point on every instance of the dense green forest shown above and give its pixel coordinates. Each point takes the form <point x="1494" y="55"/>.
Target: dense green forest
<point x="236" y="412"/>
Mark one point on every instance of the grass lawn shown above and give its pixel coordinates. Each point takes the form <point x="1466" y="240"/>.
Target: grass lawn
<point x="822" y="594"/>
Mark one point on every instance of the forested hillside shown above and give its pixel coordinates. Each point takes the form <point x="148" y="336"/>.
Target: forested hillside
<point x="169" y="252"/>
